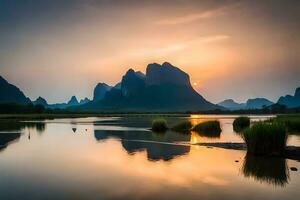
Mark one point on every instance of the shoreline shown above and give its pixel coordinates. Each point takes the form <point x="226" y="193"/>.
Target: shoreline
<point x="291" y="152"/>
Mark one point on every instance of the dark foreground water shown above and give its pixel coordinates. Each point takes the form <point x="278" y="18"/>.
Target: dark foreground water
<point x="119" y="158"/>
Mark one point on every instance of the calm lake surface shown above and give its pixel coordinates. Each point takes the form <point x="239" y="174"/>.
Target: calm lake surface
<point x="119" y="158"/>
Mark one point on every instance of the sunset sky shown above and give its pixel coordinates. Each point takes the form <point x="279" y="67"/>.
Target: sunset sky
<point x="231" y="49"/>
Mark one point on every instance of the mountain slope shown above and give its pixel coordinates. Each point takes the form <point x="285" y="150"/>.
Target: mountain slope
<point x="100" y="91"/>
<point x="291" y="101"/>
<point x="258" y="103"/>
<point x="11" y="94"/>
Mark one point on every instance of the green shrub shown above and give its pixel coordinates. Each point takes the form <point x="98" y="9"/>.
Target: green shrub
<point x="241" y="123"/>
<point x="265" y="138"/>
<point x="184" y="126"/>
<point x="159" y="125"/>
<point x="208" y="128"/>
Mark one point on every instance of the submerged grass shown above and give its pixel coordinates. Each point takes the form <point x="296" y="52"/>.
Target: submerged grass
<point x="159" y="125"/>
<point x="265" y="138"/>
<point x="183" y="127"/>
<point x="241" y="123"/>
<point x="208" y="128"/>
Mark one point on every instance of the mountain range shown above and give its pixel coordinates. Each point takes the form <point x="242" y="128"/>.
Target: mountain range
<point x="163" y="88"/>
<point x="256" y="103"/>
<point x="72" y="102"/>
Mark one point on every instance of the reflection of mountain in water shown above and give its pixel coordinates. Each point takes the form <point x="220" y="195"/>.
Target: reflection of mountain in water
<point x="8" y="126"/>
<point x="7" y="138"/>
<point x="10" y="131"/>
<point x="155" y="144"/>
<point x="271" y="170"/>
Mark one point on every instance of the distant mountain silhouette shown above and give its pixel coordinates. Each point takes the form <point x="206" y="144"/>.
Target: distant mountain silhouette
<point x="11" y="94"/>
<point x="100" y="91"/>
<point x="84" y="101"/>
<point x="232" y="105"/>
<point x="40" y="101"/>
<point x="71" y="103"/>
<point x="163" y="88"/>
<point x="291" y="101"/>
<point x="256" y="103"/>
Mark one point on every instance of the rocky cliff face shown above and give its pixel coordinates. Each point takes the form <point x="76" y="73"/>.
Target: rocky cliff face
<point x="166" y="74"/>
<point x="100" y="91"/>
<point x="11" y="94"/>
<point x="132" y="83"/>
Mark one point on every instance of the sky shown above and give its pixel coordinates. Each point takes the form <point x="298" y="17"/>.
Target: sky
<point x="230" y="48"/>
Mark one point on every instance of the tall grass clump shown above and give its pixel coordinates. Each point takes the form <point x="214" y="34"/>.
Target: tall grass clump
<point x="182" y="127"/>
<point x="265" y="138"/>
<point x="208" y="128"/>
<point x="159" y="125"/>
<point x="241" y="123"/>
<point x="293" y="124"/>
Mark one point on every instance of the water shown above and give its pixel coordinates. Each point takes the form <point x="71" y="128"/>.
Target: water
<point x="119" y="158"/>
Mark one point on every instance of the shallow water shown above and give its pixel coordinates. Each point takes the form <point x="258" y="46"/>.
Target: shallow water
<point x="119" y="158"/>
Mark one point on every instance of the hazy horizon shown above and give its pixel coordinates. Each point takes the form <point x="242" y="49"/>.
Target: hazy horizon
<point x="230" y="49"/>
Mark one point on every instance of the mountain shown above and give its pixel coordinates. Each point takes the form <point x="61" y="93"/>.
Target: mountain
<point x="232" y="105"/>
<point x="73" y="101"/>
<point x="84" y="101"/>
<point x="40" y="101"/>
<point x="166" y="74"/>
<point x="163" y="88"/>
<point x="132" y="83"/>
<point x="291" y="101"/>
<point x="100" y="91"/>
<point x="11" y="94"/>
<point x="258" y="103"/>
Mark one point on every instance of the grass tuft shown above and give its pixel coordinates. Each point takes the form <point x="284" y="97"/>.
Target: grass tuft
<point x="265" y="138"/>
<point x="182" y="127"/>
<point x="241" y="123"/>
<point x="208" y="128"/>
<point x="159" y="125"/>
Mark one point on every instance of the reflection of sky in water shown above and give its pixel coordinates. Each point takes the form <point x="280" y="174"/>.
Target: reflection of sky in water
<point x="113" y="164"/>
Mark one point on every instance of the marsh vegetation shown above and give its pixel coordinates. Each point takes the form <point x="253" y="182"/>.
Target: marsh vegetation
<point x="265" y="138"/>
<point x="159" y="125"/>
<point x="241" y="123"/>
<point x="182" y="127"/>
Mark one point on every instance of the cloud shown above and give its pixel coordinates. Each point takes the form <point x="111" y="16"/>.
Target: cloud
<point x="168" y="49"/>
<point x="193" y="17"/>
